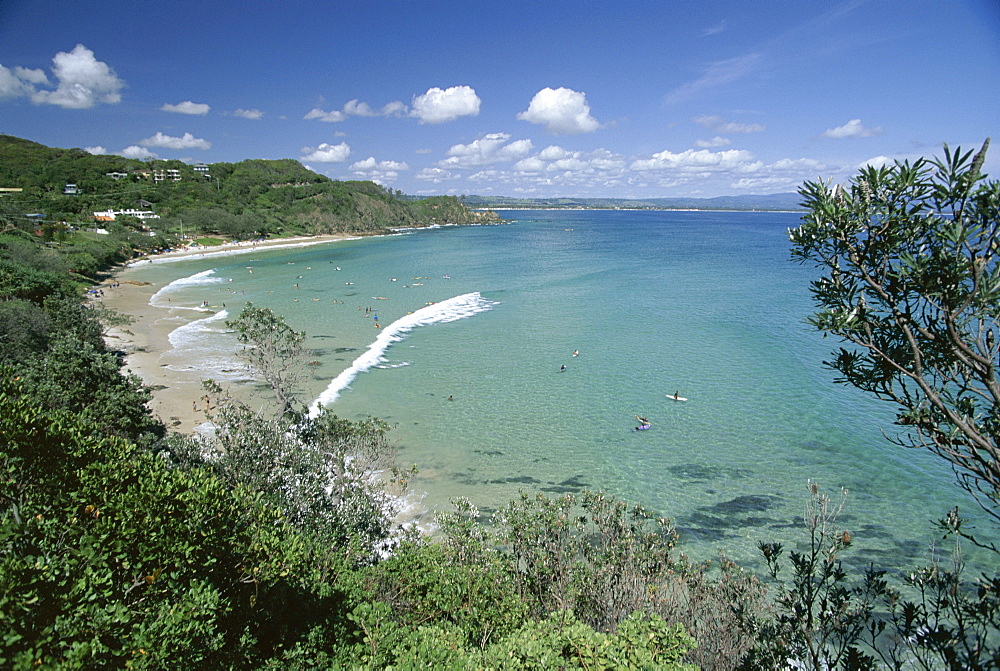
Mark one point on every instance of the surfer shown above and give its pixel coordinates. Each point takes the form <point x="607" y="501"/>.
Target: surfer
<point x="643" y="423"/>
<point x="576" y="352"/>
<point x="562" y="368"/>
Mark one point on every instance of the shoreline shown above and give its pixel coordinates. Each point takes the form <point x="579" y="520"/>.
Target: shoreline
<point x="178" y="398"/>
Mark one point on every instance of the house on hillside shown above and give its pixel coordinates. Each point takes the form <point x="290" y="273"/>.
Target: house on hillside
<point x="70" y="190"/>
<point x="172" y="175"/>
<point x="111" y="215"/>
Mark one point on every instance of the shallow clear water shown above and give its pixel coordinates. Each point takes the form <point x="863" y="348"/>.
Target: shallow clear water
<point x="704" y="304"/>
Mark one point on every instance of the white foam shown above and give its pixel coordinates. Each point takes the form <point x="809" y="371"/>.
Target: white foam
<point x="198" y="279"/>
<point x="450" y="310"/>
<point x="192" y="333"/>
<point x="232" y="250"/>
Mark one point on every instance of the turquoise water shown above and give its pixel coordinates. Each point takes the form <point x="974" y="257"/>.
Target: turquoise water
<point x="704" y="304"/>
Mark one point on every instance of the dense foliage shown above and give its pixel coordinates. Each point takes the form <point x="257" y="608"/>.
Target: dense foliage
<point x="272" y="543"/>
<point x="248" y="199"/>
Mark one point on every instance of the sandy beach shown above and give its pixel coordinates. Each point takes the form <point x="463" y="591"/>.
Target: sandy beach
<point x="178" y="397"/>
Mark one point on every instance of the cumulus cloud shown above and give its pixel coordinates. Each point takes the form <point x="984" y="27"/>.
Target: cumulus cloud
<point x="96" y="151"/>
<point x="371" y="164"/>
<point x="357" y="108"/>
<point x="136" y="151"/>
<point x="853" y="128"/>
<point x="82" y="81"/>
<point x="12" y="86"/>
<point x="562" y="111"/>
<point x="327" y="153"/>
<point x="37" y="77"/>
<point x="434" y="175"/>
<point x="440" y="105"/>
<point x="554" y="159"/>
<point x="330" y="117"/>
<point x="186" y="141"/>
<point x="187" y="107"/>
<point x="491" y="148"/>
<point x="694" y="160"/>
<point x="876" y="162"/>
<point x="719" y="125"/>
<point x="380" y="172"/>
<point x="248" y="114"/>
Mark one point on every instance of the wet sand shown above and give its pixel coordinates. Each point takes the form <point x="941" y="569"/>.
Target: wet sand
<point x="178" y="396"/>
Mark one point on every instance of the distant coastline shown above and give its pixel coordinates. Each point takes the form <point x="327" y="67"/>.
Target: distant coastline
<point x="778" y="202"/>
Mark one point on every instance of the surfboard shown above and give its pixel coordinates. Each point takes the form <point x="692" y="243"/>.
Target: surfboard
<point x="676" y="398"/>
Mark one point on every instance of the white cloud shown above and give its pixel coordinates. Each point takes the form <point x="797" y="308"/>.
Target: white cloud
<point x="876" y="162"/>
<point x="380" y="172"/>
<point x="717" y="124"/>
<point x="187" y="107"/>
<point x="187" y="141"/>
<point x="96" y="151"/>
<point x="853" y="128"/>
<point x="714" y="142"/>
<point x="37" y="77"/>
<point x="491" y="148"/>
<point x="554" y="159"/>
<point x="329" y="117"/>
<point x="327" y="153"/>
<point x="371" y="164"/>
<point x="82" y="81"/>
<point x="434" y="175"/>
<point x="136" y="151"/>
<point x="11" y="86"/>
<point x="552" y="153"/>
<point x="438" y="106"/>
<point x="694" y="160"/>
<point x="357" y="108"/>
<point x="248" y="114"/>
<point x="562" y="111"/>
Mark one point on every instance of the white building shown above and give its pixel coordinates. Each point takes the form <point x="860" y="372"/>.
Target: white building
<point x="109" y="215"/>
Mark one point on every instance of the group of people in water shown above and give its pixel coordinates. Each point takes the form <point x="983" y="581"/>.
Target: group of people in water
<point x="644" y="423"/>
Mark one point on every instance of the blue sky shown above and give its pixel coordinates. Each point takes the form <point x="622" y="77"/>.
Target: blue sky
<point x="583" y="98"/>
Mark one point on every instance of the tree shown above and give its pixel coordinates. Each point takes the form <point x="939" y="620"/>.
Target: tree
<point x="272" y="349"/>
<point x="911" y="280"/>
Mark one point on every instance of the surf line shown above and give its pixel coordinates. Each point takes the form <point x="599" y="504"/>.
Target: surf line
<point x="204" y="278"/>
<point x="449" y="310"/>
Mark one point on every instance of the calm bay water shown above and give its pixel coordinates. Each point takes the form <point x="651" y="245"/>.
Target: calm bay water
<point x="704" y="304"/>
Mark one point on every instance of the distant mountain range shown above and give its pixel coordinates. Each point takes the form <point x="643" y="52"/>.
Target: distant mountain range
<point x="772" y="202"/>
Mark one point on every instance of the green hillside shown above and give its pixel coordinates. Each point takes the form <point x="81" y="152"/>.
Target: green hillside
<point x="246" y="199"/>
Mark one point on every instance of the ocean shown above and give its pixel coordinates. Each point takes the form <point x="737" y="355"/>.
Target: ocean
<point x="517" y="357"/>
